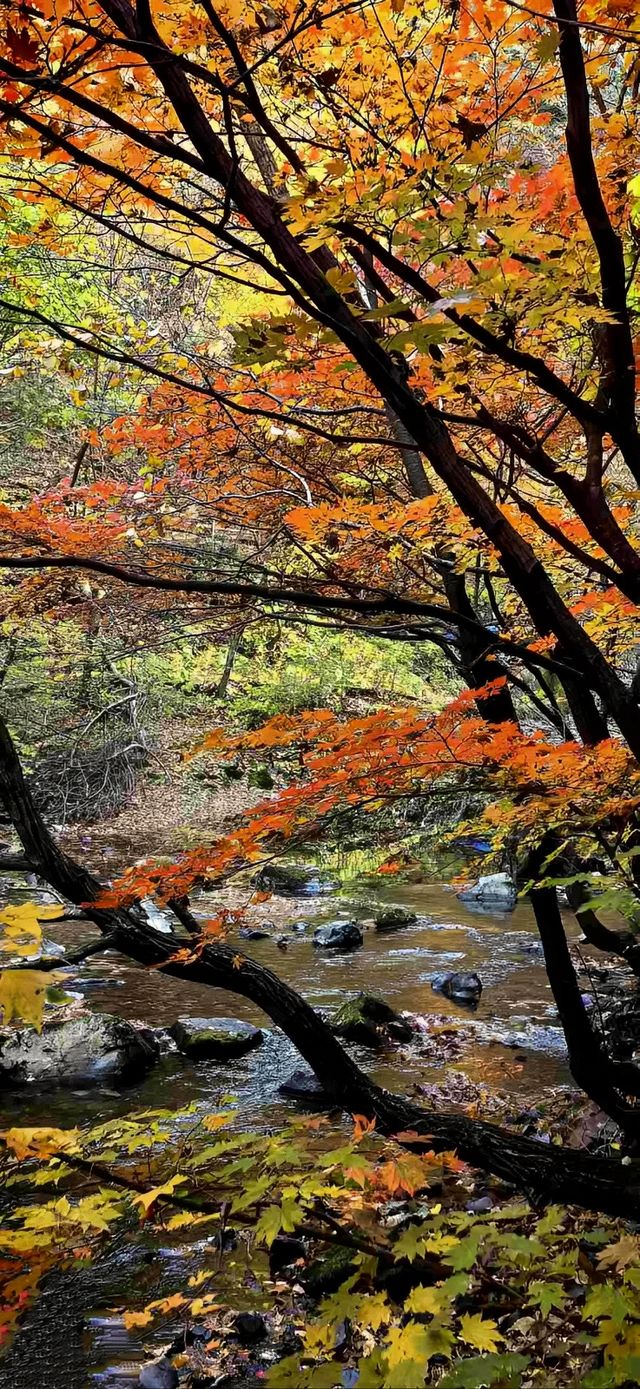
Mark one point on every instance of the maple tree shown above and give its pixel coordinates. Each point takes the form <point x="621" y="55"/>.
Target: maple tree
<point x="431" y="438"/>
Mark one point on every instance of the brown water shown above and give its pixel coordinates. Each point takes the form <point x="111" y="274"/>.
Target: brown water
<point x="516" y="1010"/>
<point x="73" y="1337"/>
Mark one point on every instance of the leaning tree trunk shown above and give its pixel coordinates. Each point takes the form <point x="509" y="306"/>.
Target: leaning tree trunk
<point x="541" y="1170"/>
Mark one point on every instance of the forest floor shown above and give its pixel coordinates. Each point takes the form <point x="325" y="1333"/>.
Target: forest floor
<point x="179" y="800"/>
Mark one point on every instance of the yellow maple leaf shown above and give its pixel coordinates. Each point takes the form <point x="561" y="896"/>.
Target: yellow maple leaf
<point x="22" y="994"/>
<point x="431" y="1300"/>
<point x="480" y="1332"/>
<point x="147" y="1199"/>
<point x="39" y="1142"/>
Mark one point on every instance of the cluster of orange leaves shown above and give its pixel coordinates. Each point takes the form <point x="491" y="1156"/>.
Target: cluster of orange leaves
<point x="394" y="754"/>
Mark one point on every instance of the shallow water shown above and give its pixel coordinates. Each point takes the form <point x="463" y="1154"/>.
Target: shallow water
<point x="90" y="1346"/>
<point x="516" y="1004"/>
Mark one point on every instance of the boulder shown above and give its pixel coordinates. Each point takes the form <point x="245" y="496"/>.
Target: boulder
<point x="217" y="1039"/>
<point x="253" y="933"/>
<point x="158" y="1374"/>
<point x="85" y="1050"/>
<point x="464" y="986"/>
<point x="304" y="1086"/>
<point x="497" y="891"/>
<point x="292" y="880"/>
<point x="250" y="1328"/>
<point x="338" y="935"/>
<point x="394" y="919"/>
<point x="370" y="1021"/>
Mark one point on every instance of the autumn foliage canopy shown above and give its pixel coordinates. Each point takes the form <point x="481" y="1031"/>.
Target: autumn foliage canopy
<point x="394" y="391"/>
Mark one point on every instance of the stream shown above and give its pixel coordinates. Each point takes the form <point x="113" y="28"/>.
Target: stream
<point x="512" y="1042"/>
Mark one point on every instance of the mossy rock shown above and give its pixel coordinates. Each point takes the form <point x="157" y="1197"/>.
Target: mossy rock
<point x="370" y="1021"/>
<point x="216" y="1039"/>
<point x="261" y="778"/>
<point x="292" y="880"/>
<point x="328" y="1273"/>
<point x="394" y="919"/>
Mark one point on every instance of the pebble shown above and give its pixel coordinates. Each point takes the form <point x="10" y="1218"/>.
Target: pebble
<point x="480" y="1206"/>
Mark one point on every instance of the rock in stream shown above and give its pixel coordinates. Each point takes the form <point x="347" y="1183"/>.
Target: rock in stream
<point x="87" y="1050"/>
<point x="463" y="986"/>
<point x="495" y="892"/>
<point x="371" y="1022"/>
<point x="394" y="919"/>
<point x="216" y="1039"/>
<point x="338" y="935"/>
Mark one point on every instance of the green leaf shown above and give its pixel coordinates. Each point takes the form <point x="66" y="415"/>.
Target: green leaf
<point x="546" y="1295"/>
<point x="607" y="1301"/>
<point x="410" y="1244"/>
<point x="269" y="1224"/>
<point x="547" y="47"/>
<point x="287" y="1374"/>
<point x="625" y="1369"/>
<point x="465" y="1254"/>
<point x="481" y="1371"/>
<point x="292" y="1214"/>
<point x="551" y="1222"/>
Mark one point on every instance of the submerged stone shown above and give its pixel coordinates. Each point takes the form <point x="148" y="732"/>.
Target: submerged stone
<point x="158" y="1374"/>
<point x="327" y="1273"/>
<point x="250" y="1327"/>
<point x="463" y="986"/>
<point x="303" y="1085"/>
<point x="283" y="1252"/>
<point x="216" y="1039"/>
<point x="88" y="1050"/>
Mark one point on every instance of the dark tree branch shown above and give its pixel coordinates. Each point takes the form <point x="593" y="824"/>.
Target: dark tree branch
<point x="541" y="1170"/>
<point x="301" y="598"/>
<point x="619" y="377"/>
